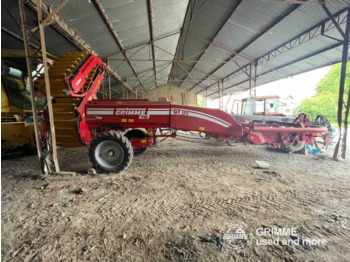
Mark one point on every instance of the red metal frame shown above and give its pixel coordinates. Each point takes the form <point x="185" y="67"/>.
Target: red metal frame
<point x="97" y="116"/>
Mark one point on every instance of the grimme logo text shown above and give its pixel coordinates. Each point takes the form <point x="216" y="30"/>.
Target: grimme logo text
<point x="130" y="112"/>
<point x="286" y="237"/>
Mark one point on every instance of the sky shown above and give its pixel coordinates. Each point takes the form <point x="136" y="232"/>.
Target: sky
<point x="300" y="86"/>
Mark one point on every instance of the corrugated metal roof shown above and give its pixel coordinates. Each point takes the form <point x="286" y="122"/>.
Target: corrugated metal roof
<point x="218" y="38"/>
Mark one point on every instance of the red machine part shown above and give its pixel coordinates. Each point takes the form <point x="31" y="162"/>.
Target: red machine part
<point x="124" y="114"/>
<point x="101" y="120"/>
<point x="75" y="82"/>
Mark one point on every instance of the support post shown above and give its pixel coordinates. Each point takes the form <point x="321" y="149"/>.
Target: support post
<point x="123" y="91"/>
<point x="38" y="54"/>
<point x="221" y="102"/>
<point x="28" y="54"/>
<point x="342" y="82"/>
<point x="109" y="84"/>
<point x="342" y="140"/>
<point x="206" y="97"/>
<point x="252" y="79"/>
<point x="47" y="86"/>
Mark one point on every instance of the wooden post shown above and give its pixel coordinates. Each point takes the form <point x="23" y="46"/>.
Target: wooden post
<point x="30" y="79"/>
<point x="47" y="86"/>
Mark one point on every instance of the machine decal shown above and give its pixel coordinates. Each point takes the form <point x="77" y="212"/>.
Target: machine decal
<point x="158" y="111"/>
<point x="130" y="111"/>
<point x="100" y="111"/>
<point x="197" y="114"/>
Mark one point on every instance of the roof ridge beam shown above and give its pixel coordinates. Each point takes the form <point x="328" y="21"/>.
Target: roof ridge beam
<point x="120" y="44"/>
<point x="217" y="33"/>
<point x="189" y="7"/>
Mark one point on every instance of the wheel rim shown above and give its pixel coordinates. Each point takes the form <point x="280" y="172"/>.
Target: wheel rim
<point x="109" y="154"/>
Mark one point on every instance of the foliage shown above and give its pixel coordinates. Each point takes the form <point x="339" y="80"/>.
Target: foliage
<point x="325" y="101"/>
<point x="200" y="101"/>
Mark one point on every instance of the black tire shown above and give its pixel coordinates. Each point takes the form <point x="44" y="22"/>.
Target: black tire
<point x="110" y="152"/>
<point x="137" y="134"/>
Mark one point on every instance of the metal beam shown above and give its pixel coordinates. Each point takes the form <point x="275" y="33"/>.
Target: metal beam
<point x="286" y="64"/>
<point x="143" y="44"/>
<point x="298" y="40"/>
<point x="341" y="93"/>
<point x="256" y="37"/>
<point x="325" y="8"/>
<point x="120" y="44"/>
<point x="152" y="38"/>
<point x="46" y="21"/>
<point x="176" y="61"/>
<point x="10" y="14"/>
<point x="52" y="57"/>
<point x="217" y="33"/>
<point x="63" y="27"/>
<point x="188" y="10"/>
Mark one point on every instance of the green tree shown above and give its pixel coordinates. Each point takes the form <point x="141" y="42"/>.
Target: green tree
<point x="325" y="101"/>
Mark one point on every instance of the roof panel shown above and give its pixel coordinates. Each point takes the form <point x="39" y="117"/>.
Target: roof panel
<point x="300" y="20"/>
<point x="85" y="18"/>
<point x="250" y="18"/>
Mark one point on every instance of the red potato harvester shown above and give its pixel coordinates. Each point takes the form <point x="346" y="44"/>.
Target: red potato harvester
<point x="102" y="123"/>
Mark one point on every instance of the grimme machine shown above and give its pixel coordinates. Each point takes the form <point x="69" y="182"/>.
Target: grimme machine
<point x="116" y="130"/>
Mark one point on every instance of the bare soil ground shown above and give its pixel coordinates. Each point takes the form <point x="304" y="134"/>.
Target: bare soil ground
<point x="171" y="195"/>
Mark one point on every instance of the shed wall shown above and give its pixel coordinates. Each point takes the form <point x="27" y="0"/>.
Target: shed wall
<point x="177" y="95"/>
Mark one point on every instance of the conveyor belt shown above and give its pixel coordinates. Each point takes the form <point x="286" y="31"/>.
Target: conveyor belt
<point x="64" y="106"/>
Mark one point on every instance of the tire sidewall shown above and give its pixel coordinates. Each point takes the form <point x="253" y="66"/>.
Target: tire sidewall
<point x="122" y="141"/>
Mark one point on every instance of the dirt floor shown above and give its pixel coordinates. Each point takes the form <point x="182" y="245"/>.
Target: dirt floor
<point x="171" y="196"/>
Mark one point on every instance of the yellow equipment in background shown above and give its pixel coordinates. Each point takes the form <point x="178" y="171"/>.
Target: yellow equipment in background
<point x="16" y="116"/>
<point x="16" y="130"/>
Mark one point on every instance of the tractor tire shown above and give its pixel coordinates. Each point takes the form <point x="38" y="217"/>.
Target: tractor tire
<point x="110" y="152"/>
<point x="137" y="134"/>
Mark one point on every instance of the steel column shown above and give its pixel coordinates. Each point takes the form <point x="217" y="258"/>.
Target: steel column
<point x="341" y="94"/>
<point x="206" y="97"/>
<point x="221" y="89"/>
<point x="252" y="80"/>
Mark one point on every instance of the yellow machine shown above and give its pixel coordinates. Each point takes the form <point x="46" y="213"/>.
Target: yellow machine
<point x="17" y="129"/>
<point x="16" y="116"/>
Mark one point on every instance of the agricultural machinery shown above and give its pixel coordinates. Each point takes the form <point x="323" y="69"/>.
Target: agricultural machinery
<point x="116" y="130"/>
